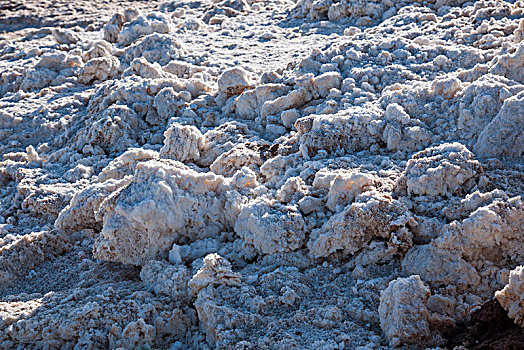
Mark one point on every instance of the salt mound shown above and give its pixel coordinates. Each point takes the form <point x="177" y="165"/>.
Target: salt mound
<point x="200" y="212"/>
<point x="504" y="135"/>
<point x="442" y="170"/>
<point x="404" y="316"/>
<point x="511" y="296"/>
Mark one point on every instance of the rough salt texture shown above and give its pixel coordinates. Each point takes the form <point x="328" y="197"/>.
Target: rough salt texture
<point x="238" y="174"/>
<point x="181" y="205"/>
<point x="504" y="135"/>
<point x="511" y="296"/>
<point x="443" y="170"/>
<point x="271" y="228"/>
<point x="182" y="143"/>
<point x="403" y="311"/>
<point x="371" y="216"/>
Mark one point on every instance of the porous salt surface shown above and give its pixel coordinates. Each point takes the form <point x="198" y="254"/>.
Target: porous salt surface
<point x="245" y="174"/>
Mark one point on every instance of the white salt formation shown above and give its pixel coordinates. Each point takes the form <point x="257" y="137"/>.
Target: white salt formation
<point x="403" y="311"/>
<point x="511" y="296"/>
<point x="238" y="174"/>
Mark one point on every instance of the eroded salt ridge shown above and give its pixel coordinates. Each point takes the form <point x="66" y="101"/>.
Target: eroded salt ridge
<point x="161" y="188"/>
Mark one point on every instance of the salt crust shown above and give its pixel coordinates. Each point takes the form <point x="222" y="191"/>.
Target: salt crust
<point x="286" y="208"/>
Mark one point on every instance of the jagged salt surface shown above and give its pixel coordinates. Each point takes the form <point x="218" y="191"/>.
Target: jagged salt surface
<point x="246" y="174"/>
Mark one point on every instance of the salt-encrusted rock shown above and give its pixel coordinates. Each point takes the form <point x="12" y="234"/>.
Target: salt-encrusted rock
<point x="245" y="178"/>
<point x="116" y="130"/>
<point x="343" y="187"/>
<point x="182" y="143"/>
<point x="138" y="333"/>
<point x="289" y="117"/>
<point x="496" y="225"/>
<point x="97" y="48"/>
<point x="322" y="84"/>
<point x="353" y="129"/>
<point x="233" y="81"/>
<point x="510" y="65"/>
<point x="161" y="48"/>
<point x="371" y="215"/>
<point x="155" y="22"/>
<point x="37" y="79"/>
<point x="165" y="203"/>
<point x="466" y="249"/>
<point x="130" y="91"/>
<point x="445" y="170"/>
<point x="309" y="87"/>
<point x="164" y="278"/>
<point x="512" y="296"/>
<point x="403" y="133"/>
<point x="80" y="213"/>
<point x="51" y="66"/>
<point x="481" y="102"/>
<point x="59" y="61"/>
<point x="221" y="139"/>
<point x="99" y="69"/>
<point x="293" y="190"/>
<point x="440" y="267"/>
<point x="504" y="135"/>
<point x="169" y="102"/>
<point x="404" y="316"/>
<point x="278" y="169"/>
<point x="270" y="227"/>
<point x="65" y="36"/>
<point x="296" y="98"/>
<point x="141" y="67"/>
<point x="395" y="112"/>
<point x="244" y="154"/>
<point x="249" y="103"/>
<point x="125" y="164"/>
<point x="216" y="271"/>
<point x="519" y="32"/>
<point x="113" y="27"/>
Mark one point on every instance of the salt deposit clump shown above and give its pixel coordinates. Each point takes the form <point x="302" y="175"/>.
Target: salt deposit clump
<point x="233" y="81"/>
<point x="371" y="215"/>
<point x="511" y="296"/>
<point x="441" y="170"/>
<point x="143" y="25"/>
<point x="504" y="134"/>
<point x="404" y="316"/>
<point x="271" y="229"/>
<point x="199" y="215"/>
<point x="182" y="143"/>
<point x="242" y="174"/>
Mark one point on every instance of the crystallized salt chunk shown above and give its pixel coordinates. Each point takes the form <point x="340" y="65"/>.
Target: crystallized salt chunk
<point x="504" y="135"/>
<point x="182" y="143"/>
<point x="403" y="312"/>
<point x="443" y="170"/>
<point x="165" y="203"/>
<point x="512" y="296"/>
<point x="371" y="215"/>
<point x="233" y="81"/>
<point x="155" y="22"/>
<point x="271" y="228"/>
<point x="216" y="271"/>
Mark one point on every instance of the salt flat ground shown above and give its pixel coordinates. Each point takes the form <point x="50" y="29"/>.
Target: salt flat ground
<point x="245" y="174"/>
